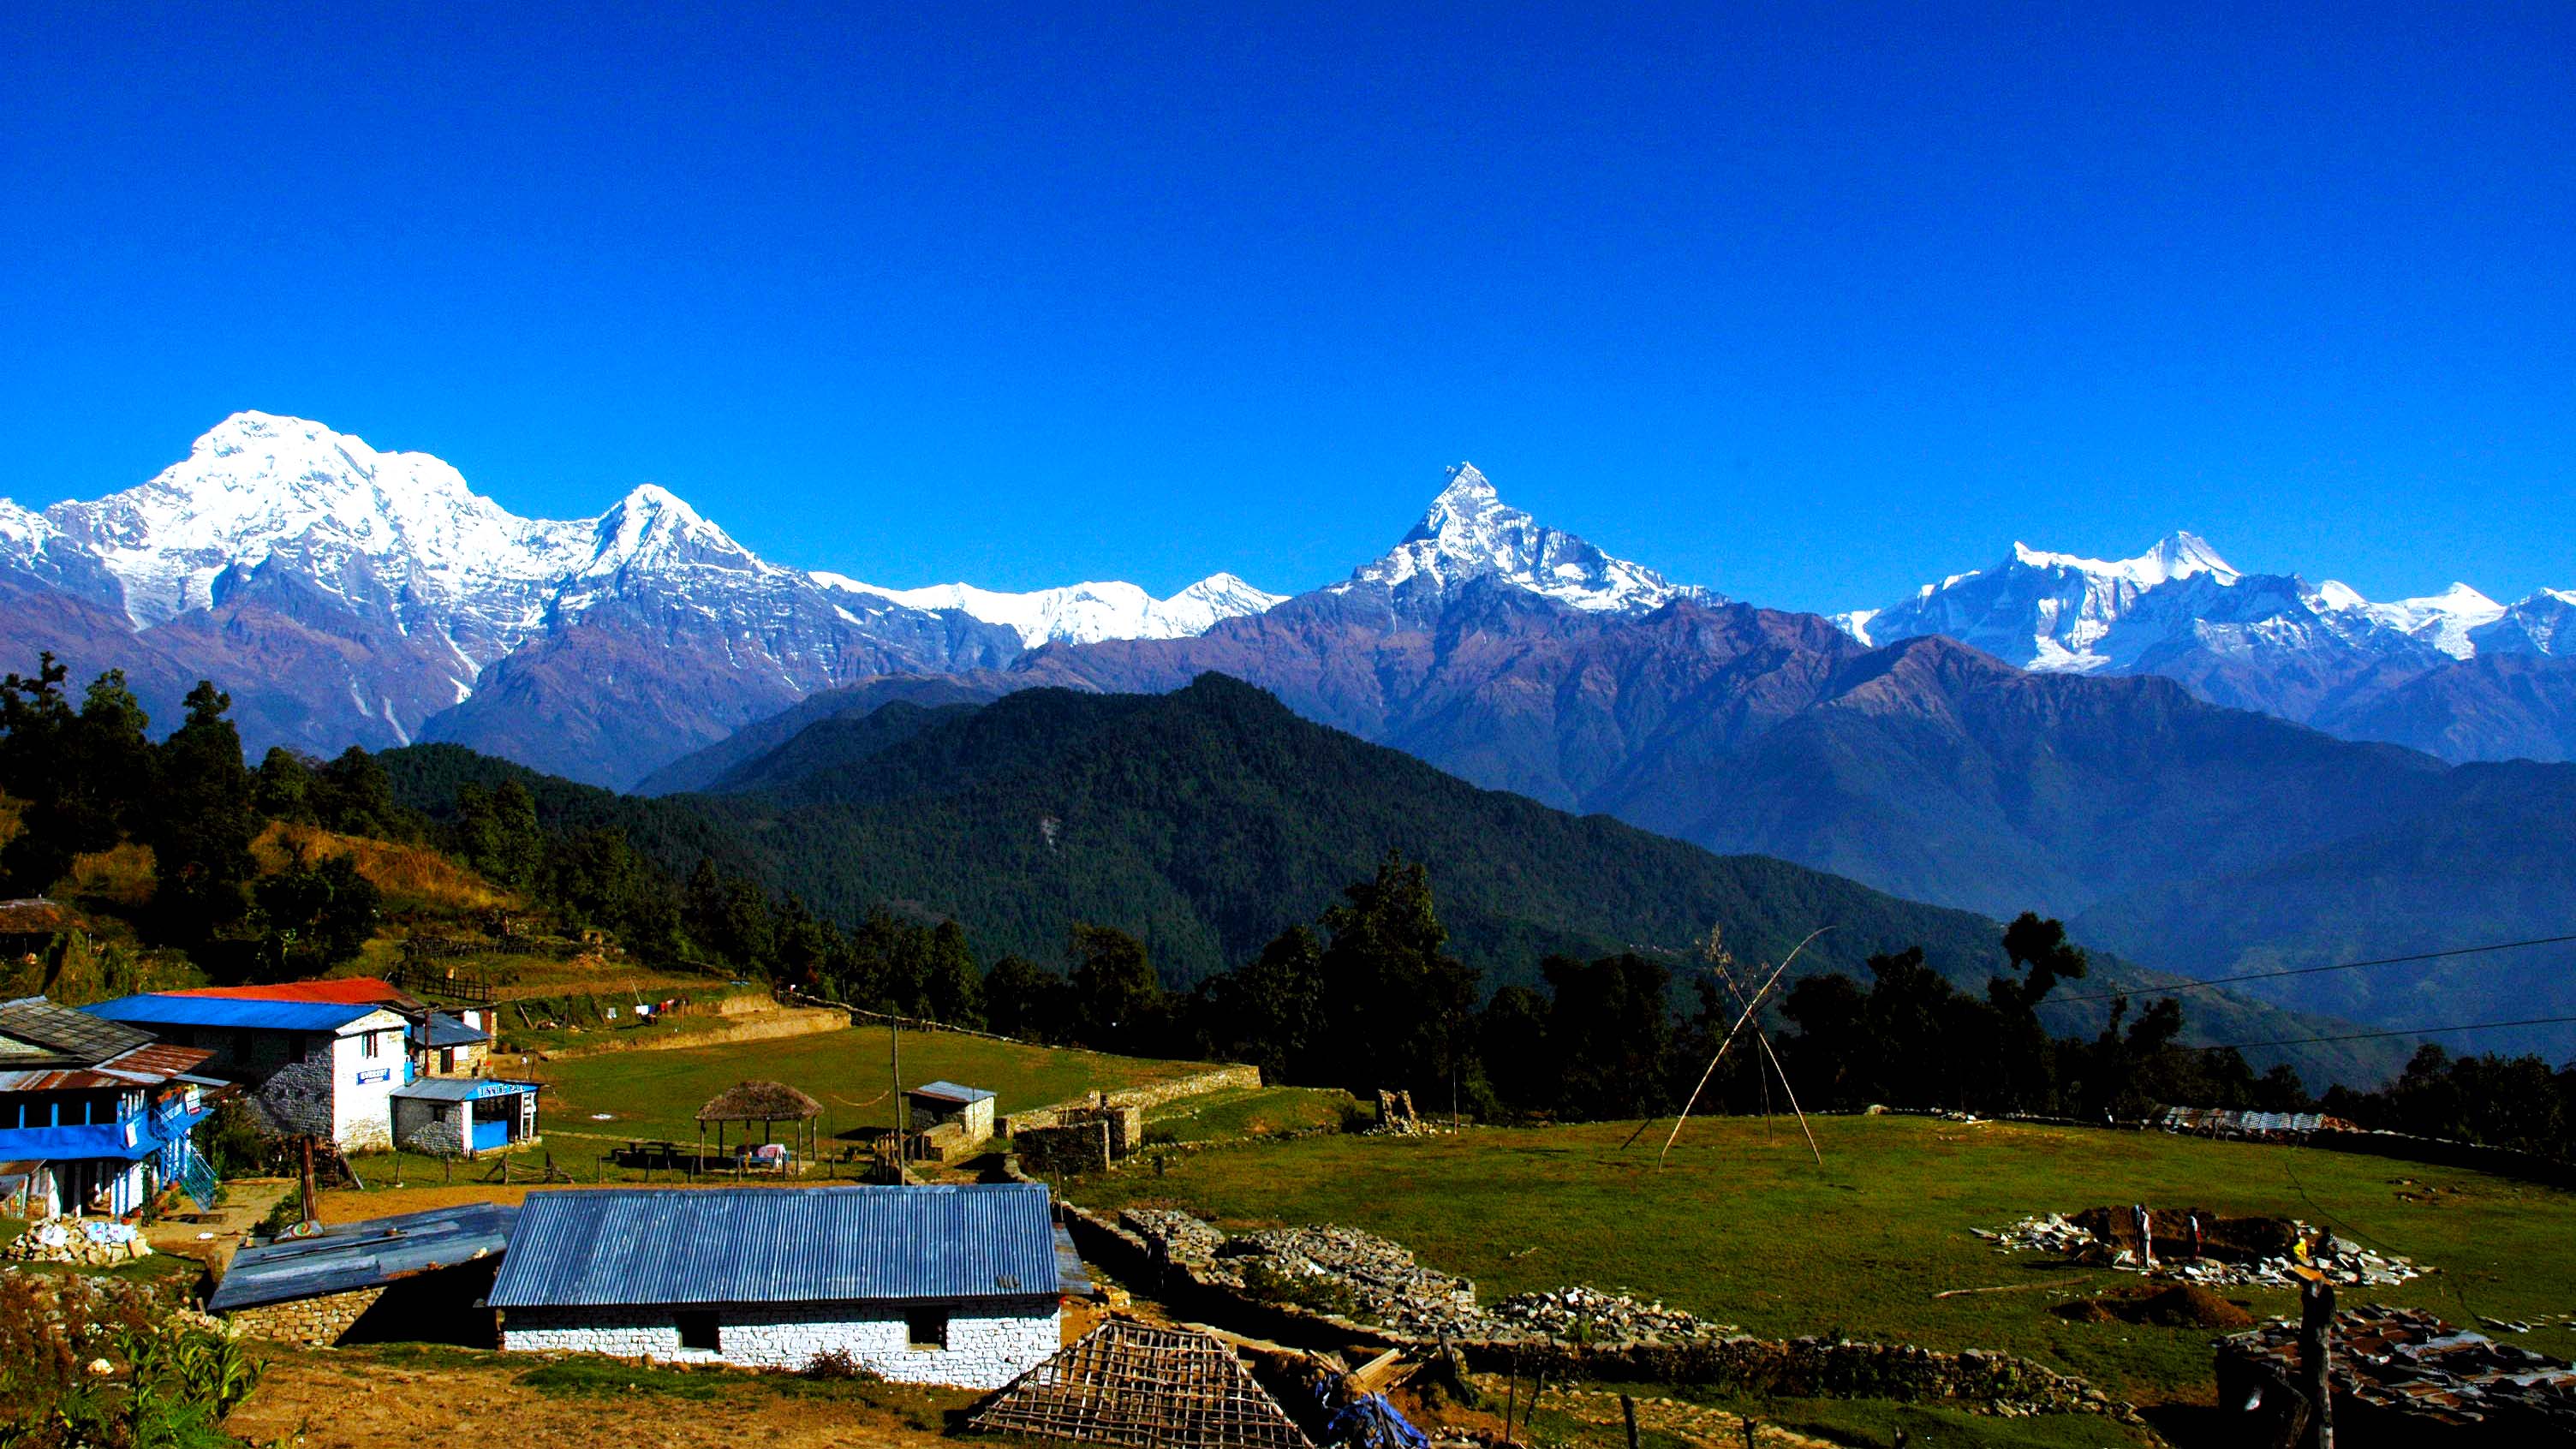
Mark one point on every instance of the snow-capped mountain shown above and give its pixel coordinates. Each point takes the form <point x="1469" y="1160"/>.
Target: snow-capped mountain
<point x="350" y="595"/>
<point x="2321" y="655"/>
<point x="1084" y="613"/>
<point x="1470" y="533"/>
<point x="2042" y="610"/>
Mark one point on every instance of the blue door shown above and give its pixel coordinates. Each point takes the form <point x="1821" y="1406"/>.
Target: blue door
<point x="492" y="1133"/>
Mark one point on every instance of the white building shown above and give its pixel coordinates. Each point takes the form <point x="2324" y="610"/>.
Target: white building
<point x="321" y="1067"/>
<point x="942" y="1285"/>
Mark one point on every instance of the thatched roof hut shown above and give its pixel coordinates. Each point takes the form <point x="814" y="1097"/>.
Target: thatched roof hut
<point x="760" y="1102"/>
<point x="765" y="1103"/>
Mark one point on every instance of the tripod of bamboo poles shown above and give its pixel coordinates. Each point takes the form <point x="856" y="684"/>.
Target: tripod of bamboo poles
<point x="1719" y="960"/>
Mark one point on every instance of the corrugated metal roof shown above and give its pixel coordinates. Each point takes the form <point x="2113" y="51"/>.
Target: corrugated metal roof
<point x="148" y="1065"/>
<point x="443" y="1030"/>
<point x="363" y="1254"/>
<point x="951" y="1092"/>
<point x="464" y="1089"/>
<point x="780" y="1245"/>
<point x="223" y="1011"/>
<point x="339" y="991"/>
<point x="38" y="1033"/>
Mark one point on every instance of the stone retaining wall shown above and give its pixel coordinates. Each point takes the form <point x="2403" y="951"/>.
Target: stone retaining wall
<point x="764" y="1027"/>
<point x="1064" y="1151"/>
<point x="1152" y="1094"/>
<point x="318" y="1321"/>
<point x="1802" y="1367"/>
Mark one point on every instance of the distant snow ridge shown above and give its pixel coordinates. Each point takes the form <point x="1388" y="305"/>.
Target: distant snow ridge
<point x="1471" y="533"/>
<point x="2063" y="612"/>
<point x="1085" y="613"/>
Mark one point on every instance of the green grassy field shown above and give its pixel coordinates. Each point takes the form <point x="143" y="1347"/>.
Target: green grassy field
<point x="1742" y="1226"/>
<point x="1247" y="1112"/>
<point x="656" y="1094"/>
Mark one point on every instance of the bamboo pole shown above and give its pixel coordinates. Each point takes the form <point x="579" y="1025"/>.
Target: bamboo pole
<point x="1730" y="1041"/>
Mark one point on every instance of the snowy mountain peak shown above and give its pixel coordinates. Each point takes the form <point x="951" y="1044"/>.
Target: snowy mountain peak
<point x="2177" y="555"/>
<point x="1469" y="533"/>
<point x="1084" y="613"/>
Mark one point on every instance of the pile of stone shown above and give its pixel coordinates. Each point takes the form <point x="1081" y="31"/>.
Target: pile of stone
<point x="1590" y="1315"/>
<point x="1378" y="1279"/>
<point x="81" y="1242"/>
<point x="2340" y="1259"/>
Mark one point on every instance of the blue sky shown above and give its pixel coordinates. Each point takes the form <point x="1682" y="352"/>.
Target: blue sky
<point x="1807" y="304"/>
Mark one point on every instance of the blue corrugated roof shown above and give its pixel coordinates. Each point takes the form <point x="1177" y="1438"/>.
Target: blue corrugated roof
<point x="232" y="1012"/>
<point x="951" y="1092"/>
<point x="444" y="1030"/>
<point x="464" y="1089"/>
<point x="363" y="1254"/>
<point x="780" y="1245"/>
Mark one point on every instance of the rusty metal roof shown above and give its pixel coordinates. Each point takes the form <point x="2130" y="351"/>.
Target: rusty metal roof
<point x="942" y="1243"/>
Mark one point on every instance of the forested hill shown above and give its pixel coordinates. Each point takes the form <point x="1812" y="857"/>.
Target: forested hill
<point x="1208" y="820"/>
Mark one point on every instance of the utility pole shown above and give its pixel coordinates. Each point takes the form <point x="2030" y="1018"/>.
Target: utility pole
<point x="894" y="1059"/>
<point x="310" y="1215"/>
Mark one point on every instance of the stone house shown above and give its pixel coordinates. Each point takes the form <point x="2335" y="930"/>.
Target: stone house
<point x="449" y="1046"/>
<point x="947" y="1284"/>
<point x="465" y="1116"/>
<point x="325" y="1068"/>
<point x="971" y="1108"/>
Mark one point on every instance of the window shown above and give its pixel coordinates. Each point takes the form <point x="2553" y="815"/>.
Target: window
<point x="699" y="1330"/>
<point x="371" y="1044"/>
<point x="926" y="1327"/>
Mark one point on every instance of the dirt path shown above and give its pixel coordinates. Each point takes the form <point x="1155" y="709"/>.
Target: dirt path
<point x="212" y="1238"/>
<point x="366" y="1399"/>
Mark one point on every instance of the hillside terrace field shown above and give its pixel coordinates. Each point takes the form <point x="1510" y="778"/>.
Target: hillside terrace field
<point x="1743" y="1228"/>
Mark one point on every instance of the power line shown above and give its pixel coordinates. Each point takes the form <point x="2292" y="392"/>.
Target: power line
<point x="2373" y="1035"/>
<point x="2311" y="970"/>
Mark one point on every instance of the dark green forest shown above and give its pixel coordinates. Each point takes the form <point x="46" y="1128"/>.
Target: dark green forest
<point x="1234" y="811"/>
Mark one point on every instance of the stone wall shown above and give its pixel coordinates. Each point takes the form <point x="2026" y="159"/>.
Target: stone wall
<point x="1801" y="1367"/>
<point x="988" y="1344"/>
<point x="1126" y="1124"/>
<point x="1066" y="1151"/>
<point x="297" y="1096"/>
<point x="431" y="1127"/>
<point x="764" y="1027"/>
<point x="1152" y="1094"/>
<point x="318" y="1321"/>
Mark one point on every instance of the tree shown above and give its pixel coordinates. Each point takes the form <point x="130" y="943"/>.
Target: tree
<point x="313" y="917"/>
<point x="1399" y="1010"/>
<point x="1117" y="999"/>
<point x="1270" y="1010"/>
<point x="952" y="986"/>
<point x="201" y="826"/>
<point x="1609" y="1029"/>
<point x="1023" y="999"/>
<point x="496" y="833"/>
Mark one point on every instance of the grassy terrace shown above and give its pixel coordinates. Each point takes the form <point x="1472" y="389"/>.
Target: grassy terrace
<point x="1742" y="1227"/>
<point x="656" y="1095"/>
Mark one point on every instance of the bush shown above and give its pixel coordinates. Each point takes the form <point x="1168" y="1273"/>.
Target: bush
<point x="170" y="1378"/>
<point x="835" y="1363"/>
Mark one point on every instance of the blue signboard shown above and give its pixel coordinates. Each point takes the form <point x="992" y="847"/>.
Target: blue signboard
<point x="379" y="1074"/>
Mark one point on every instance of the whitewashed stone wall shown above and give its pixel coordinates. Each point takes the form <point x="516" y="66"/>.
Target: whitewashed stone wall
<point x="363" y="1087"/>
<point x="989" y="1344"/>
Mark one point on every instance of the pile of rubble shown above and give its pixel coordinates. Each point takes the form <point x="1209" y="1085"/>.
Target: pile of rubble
<point x="2401" y="1371"/>
<point x="1590" y="1315"/>
<point x="1375" y="1280"/>
<point x="1365" y="1277"/>
<point x="82" y="1242"/>
<point x="2340" y="1259"/>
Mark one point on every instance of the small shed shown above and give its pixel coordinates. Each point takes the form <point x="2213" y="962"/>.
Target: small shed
<point x="31" y="923"/>
<point x="465" y="1116"/>
<point x="969" y="1107"/>
<point x="767" y="1103"/>
<point x="949" y="1284"/>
